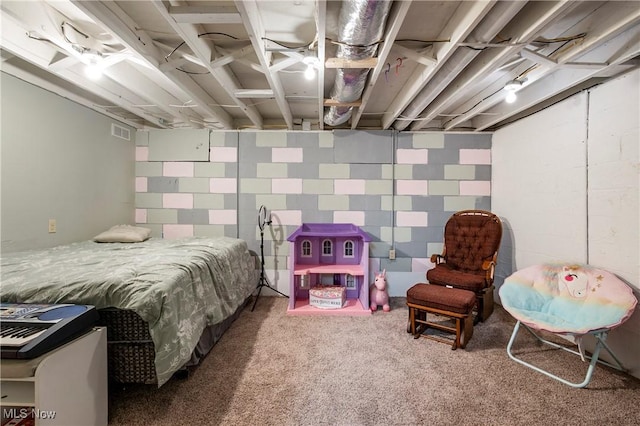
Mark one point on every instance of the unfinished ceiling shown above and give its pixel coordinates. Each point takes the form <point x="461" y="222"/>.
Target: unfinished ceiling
<point x="358" y="64"/>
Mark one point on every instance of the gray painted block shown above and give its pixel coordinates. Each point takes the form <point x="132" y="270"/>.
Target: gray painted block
<point x="372" y="147"/>
<point x="467" y="141"/>
<point x="378" y="218"/>
<point x="302" y="139"/>
<point x="193" y="216"/>
<point x="230" y="170"/>
<point x="483" y="203"/>
<point x="303" y="170"/>
<point x="428" y="171"/>
<point x="405" y="141"/>
<point x="411" y="249"/>
<point x="365" y="202"/>
<point x="366" y="171"/>
<point x="428" y="204"/>
<point x="246" y="170"/>
<point x="483" y="172"/>
<point x="251" y="155"/>
<point x="444" y="156"/>
<point x="179" y="145"/>
<point x="230" y="201"/>
<point x="302" y="202"/>
<point x="162" y="184"/>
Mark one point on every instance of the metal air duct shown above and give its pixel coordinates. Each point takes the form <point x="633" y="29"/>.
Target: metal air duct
<point x="361" y="25"/>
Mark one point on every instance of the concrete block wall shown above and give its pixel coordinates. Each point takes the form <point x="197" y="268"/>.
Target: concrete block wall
<point x="400" y="188"/>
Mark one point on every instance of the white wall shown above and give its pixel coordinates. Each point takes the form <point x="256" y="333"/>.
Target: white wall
<point x="565" y="181"/>
<point x="59" y="161"/>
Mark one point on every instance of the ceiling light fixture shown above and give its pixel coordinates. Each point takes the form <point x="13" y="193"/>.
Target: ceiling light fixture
<point x="511" y="88"/>
<point x="94" y="64"/>
<point x="310" y="72"/>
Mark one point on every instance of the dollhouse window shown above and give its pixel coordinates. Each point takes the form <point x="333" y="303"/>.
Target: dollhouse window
<point x="350" y="282"/>
<point x="306" y="248"/>
<point x="327" y="248"/>
<point x="348" y="248"/>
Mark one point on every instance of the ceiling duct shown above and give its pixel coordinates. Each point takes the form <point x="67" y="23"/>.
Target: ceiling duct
<point x="361" y="25"/>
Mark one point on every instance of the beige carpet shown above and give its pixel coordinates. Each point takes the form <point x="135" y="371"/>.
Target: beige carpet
<point x="274" y="369"/>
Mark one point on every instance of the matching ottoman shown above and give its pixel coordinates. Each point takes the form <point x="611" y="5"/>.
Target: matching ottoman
<point x="454" y="303"/>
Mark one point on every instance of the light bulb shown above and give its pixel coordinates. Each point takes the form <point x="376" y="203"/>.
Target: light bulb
<point x="309" y="73"/>
<point x="93" y="71"/>
<point x="510" y="98"/>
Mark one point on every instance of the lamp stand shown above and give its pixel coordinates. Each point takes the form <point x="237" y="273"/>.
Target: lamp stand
<point x="263" y="282"/>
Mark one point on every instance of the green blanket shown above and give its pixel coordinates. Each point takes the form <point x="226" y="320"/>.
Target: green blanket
<point x="177" y="286"/>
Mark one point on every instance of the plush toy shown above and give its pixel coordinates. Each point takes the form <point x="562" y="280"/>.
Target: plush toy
<point x="378" y="294"/>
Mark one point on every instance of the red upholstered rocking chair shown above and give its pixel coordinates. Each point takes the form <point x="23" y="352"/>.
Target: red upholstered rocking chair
<point x="471" y="242"/>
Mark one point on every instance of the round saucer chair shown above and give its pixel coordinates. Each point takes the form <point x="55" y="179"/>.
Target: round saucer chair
<point x="569" y="300"/>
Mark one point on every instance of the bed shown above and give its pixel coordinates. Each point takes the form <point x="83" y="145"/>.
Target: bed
<point x="165" y="302"/>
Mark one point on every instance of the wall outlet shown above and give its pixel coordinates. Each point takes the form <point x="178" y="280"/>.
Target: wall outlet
<point x="392" y="254"/>
<point x="52" y="226"/>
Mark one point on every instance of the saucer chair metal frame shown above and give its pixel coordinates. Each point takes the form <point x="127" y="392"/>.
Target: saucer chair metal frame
<point x="576" y="301"/>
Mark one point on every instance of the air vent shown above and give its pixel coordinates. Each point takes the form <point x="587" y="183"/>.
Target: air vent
<point x="120" y="132"/>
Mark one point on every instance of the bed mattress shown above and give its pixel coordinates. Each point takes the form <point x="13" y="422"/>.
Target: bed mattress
<point x="178" y="287"/>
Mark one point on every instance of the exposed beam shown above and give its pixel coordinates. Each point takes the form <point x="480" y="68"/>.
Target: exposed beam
<point x="253" y="24"/>
<point x="522" y="30"/>
<point x="558" y="79"/>
<point x="227" y="58"/>
<point x="24" y="47"/>
<point x="351" y="63"/>
<point x="253" y="93"/>
<point x="205" y="53"/>
<point x="411" y="54"/>
<point x="205" y="14"/>
<point x="396" y="18"/>
<point x="464" y="20"/>
<point x="618" y="26"/>
<point x="332" y="102"/>
<point x="110" y="16"/>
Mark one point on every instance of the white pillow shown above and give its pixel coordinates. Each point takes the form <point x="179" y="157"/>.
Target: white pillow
<point x="123" y="234"/>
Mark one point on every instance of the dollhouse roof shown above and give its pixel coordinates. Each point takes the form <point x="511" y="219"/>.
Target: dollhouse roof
<point x="329" y="230"/>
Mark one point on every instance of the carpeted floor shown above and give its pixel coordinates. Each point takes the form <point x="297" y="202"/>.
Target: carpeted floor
<point x="274" y="369"/>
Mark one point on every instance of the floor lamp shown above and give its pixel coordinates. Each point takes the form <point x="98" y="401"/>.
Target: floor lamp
<point x="263" y="219"/>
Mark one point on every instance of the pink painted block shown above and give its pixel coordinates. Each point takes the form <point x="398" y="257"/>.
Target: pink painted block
<point x="475" y="156"/>
<point x="177" y="201"/>
<point x="141" y="215"/>
<point x="349" y="186"/>
<point x="141" y="184"/>
<point x="411" y="187"/>
<point x="142" y="153"/>
<point x="286" y="155"/>
<point x="223" y="154"/>
<point x="404" y="218"/>
<point x="178" y="168"/>
<point x="223" y="217"/>
<point x="176" y="231"/>
<point x="223" y="185"/>
<point x="475" y="187"/>
<point x="286" y="217"/>
<point x="344" y="216"/>
<point x="286" y="186"/>
<point x="412" y="156"/>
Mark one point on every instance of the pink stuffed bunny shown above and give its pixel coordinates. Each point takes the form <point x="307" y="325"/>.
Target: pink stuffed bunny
<point x="378" y="294"/>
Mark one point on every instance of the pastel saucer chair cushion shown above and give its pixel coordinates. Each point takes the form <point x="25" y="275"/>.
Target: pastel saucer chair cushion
<point x="567" y="298"/>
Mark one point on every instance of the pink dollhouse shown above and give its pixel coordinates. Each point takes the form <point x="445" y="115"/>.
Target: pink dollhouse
<point x="329" y="270"/>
